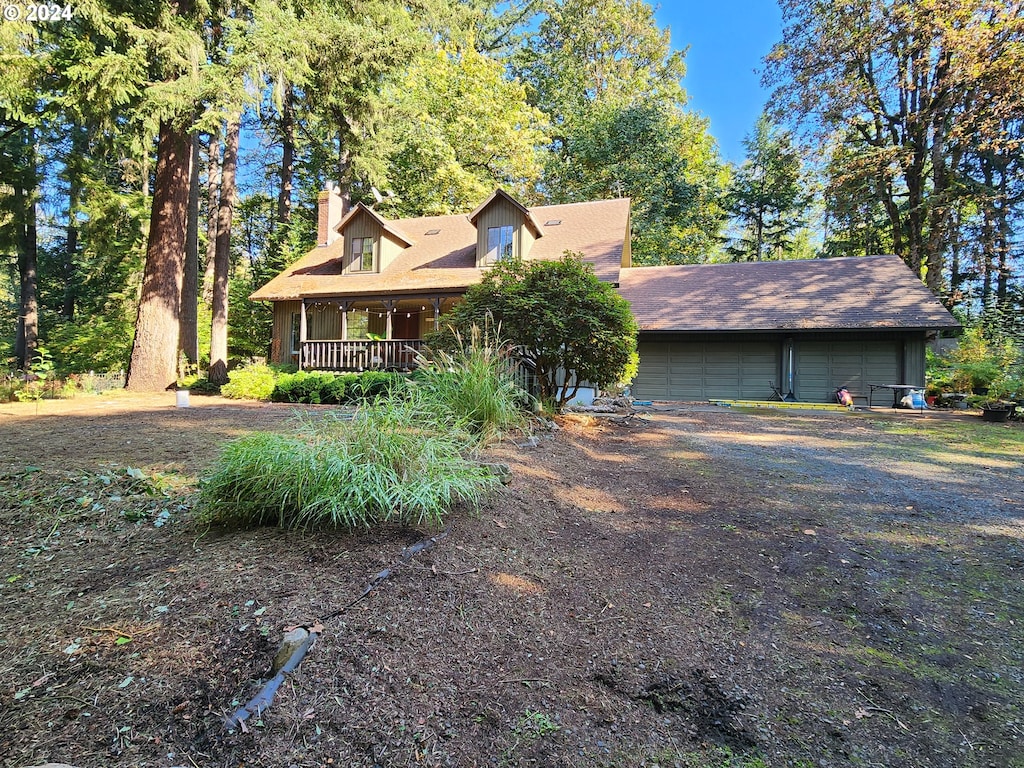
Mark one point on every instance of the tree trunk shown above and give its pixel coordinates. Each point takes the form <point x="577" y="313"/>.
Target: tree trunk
<point x="153" y="365"/>
<point x="188" y="341"/>
<point x="218" y="373"/>
<point x="74" y="172"/>
<point x="24" y="195"/>
<point x="284" y="195"/>
<point x="213" y="173"/>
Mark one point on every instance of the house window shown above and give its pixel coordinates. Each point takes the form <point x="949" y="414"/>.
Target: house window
<point x="293" y="333"/>
<point x="499" y="243"/>
<point x="362" y="254"/>
<point x="358" y="324"/>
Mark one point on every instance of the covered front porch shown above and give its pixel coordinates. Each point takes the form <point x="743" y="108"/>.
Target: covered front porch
<point x="357" y="334"/>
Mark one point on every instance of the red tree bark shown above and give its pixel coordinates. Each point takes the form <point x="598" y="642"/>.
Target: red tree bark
<point x="154" y="362"/>
<point x="218" y="373"/>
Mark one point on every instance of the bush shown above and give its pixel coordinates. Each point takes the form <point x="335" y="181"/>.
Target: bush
<point x="571" y="327"/>
<point x="978" y="363"/>
<point x="253" y="382"/>
<point x="474" y="389"/>
<point x="370" y="385"/>
<point x="336" y="389"/>
<point x="378" y="467"/>
<point x="199" y="385"/>
<point x="308" y="387"/>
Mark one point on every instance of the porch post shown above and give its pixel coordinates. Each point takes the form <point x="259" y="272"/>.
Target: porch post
<point x="343" y="306"/>
<point x="436" y="301"/>
<point x="302" y="335"/>
<point x="389" y="305"/>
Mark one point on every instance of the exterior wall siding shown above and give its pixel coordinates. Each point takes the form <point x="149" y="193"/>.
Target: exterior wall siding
<point x="279" y="347"/>
<point x="706" y="366"/>
<point x="499" y="214"/>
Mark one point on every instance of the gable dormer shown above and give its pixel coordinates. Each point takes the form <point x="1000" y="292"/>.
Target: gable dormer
<point x="370" y="241"/>
<point x="505" y="229"/>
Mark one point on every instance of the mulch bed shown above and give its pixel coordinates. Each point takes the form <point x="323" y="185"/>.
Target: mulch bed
<point x="693" y="588"/>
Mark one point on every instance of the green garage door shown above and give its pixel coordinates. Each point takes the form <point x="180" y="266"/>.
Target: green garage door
<point x="706" y="370"/>
<point x="821" y="367"/>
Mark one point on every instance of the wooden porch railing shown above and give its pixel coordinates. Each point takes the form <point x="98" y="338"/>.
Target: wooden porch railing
<point x="393" y="354"/>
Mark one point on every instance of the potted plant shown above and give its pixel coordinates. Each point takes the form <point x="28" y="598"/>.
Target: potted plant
<point x="932" y="393"/>
<point x="996" y="405"/>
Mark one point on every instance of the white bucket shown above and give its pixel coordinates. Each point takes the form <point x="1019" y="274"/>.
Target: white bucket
<point x="181" y="398"/>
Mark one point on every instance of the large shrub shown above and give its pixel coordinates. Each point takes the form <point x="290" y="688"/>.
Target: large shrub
<point x="380" y="466"/>
<point x="568" y="325"/>
<point x="253" y="382"/>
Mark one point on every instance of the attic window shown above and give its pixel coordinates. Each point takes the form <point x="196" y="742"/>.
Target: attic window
<point x="552" y="222"/>
<point x="363" y="255"/>
<point x="499" y="243"/>
<point x="432" y="232"/>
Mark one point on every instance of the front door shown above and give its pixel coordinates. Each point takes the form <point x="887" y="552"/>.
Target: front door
<point x="403" y="327"/>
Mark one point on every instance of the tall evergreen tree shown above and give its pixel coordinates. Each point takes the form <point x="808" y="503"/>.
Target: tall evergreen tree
<point x="767" y="199"/>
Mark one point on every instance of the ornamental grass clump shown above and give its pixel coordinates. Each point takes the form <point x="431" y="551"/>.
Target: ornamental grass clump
<point x="473" y="388"/>
<point x="379" y="467"/>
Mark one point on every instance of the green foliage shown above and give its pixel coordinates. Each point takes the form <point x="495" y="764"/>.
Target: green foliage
<point x="309" y="387"/>
<point x="475" y="386"/>
<point x="563" y="321"/>
<point x="767" y="198"/>
<point x="978" y="363"/>
<point x="335" y="389"/>
<point x="40" y="379"/>
<point x="380" y="467"/>
<point x="662" y="159"/>
<point x="460" y="128"/>
<point x="103" y="344"/>
<point x="611" y="51"/>
<point x="251" y="382"/>
<point x="405" y="457"/>
<point x="199" y="385"/>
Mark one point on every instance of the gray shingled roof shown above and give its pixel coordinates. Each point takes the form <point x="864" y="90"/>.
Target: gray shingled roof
<point x="870" y="292"/>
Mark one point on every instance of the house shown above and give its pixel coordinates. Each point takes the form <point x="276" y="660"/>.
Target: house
<point x="370" y="290"/>
<point x="366" y="295"/>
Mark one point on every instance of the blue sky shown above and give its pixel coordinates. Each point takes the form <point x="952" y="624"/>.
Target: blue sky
<point x="727" y="41"/>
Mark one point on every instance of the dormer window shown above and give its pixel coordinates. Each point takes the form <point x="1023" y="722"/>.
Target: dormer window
<point x="499" y="243"/>
<point x="362" y="254"/>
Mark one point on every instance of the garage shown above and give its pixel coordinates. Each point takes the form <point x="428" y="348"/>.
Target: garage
<point x="724" y="331"/>
<point x="821" y="367"/>
<point x="705" y="370"/>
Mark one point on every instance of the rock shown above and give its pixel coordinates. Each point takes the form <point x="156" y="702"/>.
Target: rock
<point x="531" y="442"/>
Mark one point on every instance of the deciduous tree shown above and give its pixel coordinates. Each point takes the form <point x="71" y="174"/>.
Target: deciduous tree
<point x="569" y="326"/>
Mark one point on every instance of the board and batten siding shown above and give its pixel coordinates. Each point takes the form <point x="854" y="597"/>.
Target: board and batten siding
<point x="386" y="250"/>
<point x="501" y="213"/>
<point x="282" y="331"/>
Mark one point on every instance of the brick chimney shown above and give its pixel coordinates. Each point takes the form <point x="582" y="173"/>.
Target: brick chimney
<point x="330" y="210"/>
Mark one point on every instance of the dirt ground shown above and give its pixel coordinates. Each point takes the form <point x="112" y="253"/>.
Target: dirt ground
<point x="693" y="587"/>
